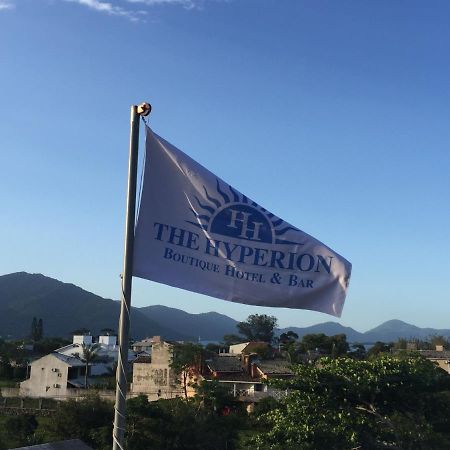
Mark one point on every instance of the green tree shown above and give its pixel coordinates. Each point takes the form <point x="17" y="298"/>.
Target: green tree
<point x="49" y="344"/>
<point x="89" y="353"/>
<point x="179" y="425"/>
<point x="439" y="340"/>
<point x="232" y="339"/>
<point x="214" y="395"/>
<point x="357" y="351"/>
<point x="34" y="330"/>
<point x="384" y="403"/>
<point x="40" y="329"/>
<point x="187" y="360"/>
<point x="379" y="347"/>
<point x="19" y="430"/>
<point x="258" y="327"/>
<point x="89" y="419"/>
<point x="288" y="345"/>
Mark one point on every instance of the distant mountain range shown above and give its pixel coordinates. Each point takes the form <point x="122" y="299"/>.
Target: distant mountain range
<point x="65" y="307"/>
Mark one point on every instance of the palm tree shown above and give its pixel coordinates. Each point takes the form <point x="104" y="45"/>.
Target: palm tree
<point x="88" y="355"/>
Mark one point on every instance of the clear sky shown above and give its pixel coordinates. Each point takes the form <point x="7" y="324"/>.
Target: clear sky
<point x="334" y="115"/>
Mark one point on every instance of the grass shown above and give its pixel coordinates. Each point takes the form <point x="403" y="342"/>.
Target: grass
<point x="8" y="383"/>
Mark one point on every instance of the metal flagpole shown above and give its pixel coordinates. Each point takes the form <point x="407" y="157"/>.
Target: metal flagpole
<point x="137" y="111"/>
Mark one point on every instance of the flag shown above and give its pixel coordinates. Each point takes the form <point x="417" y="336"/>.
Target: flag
<point x="196" y="232"/>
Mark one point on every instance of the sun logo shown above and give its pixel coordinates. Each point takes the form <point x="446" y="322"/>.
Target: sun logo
<point x="232" y="214"/>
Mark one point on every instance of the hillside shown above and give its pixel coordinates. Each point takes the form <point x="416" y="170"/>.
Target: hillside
<point x="63" y="307"/>
<point x="206" y="326"/>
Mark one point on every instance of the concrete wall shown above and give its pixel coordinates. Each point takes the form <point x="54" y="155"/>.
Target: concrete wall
<point x="156" y="379"/>
<point x="48" y="378"/>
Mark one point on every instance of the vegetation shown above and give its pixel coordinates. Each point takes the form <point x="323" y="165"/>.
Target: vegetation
<point x="258" y="327"/>
<point x="88" y="355"/>
<point x="186" y="363"/>
<point x="344" y="403"/>
<point x="340" y="397"/>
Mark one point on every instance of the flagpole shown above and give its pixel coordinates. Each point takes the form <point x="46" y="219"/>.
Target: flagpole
<point x="137" y="111"/>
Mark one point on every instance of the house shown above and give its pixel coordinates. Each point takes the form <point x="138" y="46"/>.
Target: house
<point x="246" y="373"/>
<point x="248" y="347"/>
<point x="53" y="376"/>
<point x="439" y="356"/>
<point x="106" y="356"/>
<point x="146" y="344"/>
<point x="72" y="444"/>
<point x="153" y="376"/>
<point x="57" y="374"/>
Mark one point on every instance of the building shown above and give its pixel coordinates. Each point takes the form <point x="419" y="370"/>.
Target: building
<point x="53" y="376"/>
<point x="248" y="347"/>
<point x="153" y="376"/>
<point x="106" y="356"/>
<point x="57" y="374"/>
<point x="145" y="345"/>
<point x="244" y="373"/>
<point x="439" y="356"/>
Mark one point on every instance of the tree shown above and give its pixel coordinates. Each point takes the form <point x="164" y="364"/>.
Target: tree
<point x="89" y="419"/>
<point x="384" y="403"/>
<point x="335" y="346"/>
<point x="379" y="347"/>
<point x="187" y="360"/>
<point x="179" y="425"/>
<point x="288" y="345"/>
<point x="19" y="430"/>
<point x="439" y="340"/>
<point x="232" y="339"/>
<point x="258" y="327"/>
<point x="214" y="395"/>
<point x="89" y="353"/>
<point x="40" y="329"/>
<point x="37" y="329"/>
<point x="34" y="331"/>
<point x="358" y="351"/>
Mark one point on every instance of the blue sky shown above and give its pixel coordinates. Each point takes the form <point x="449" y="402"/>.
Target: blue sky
<point x="333" y="115"/>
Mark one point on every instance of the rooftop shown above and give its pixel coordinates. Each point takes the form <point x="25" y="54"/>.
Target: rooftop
<point x="229" y="363"/>
<point x="275" y="367"/>
<point x="70" y="360"/>
<point x="73" y="444"/>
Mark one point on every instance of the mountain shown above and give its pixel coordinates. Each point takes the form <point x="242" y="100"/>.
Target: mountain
<point x="394" y="329"/>
<point x="64" y="307"/>
<point x="206" y="326"/>
<point x="328" y="328"/>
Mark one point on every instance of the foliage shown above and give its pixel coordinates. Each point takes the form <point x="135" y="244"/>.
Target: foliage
<point x="47" y="345"/>
<point x="232" y="339"/>
<point x="378" y="348"/>
<point x="258" y="327"/>
<point x="187" y="360"/>
<point x="37" y="329"/>
<point x="88" y="355"/>
<point x="357" y="351"/>
<point x="19" y="430"/>
<point x="335" y="346"/>
<point x="88" y="420"/>
<point x="214" y="396"/>
<point x="345" y="403"/>
<point x="179" y="425"/>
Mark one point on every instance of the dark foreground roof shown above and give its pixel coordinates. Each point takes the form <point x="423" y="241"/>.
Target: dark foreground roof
<point x="73" y="444"/>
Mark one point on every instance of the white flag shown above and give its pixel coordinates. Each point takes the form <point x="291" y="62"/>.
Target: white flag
<point x="196" y="232"/>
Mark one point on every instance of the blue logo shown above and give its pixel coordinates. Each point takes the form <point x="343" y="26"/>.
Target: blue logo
<point x="231" y="214"/>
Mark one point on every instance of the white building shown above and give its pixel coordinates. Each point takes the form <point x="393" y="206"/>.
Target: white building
<point x="53" y="375"/>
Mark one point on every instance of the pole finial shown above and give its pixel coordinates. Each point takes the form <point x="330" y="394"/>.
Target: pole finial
<point x="144" y="109"/>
